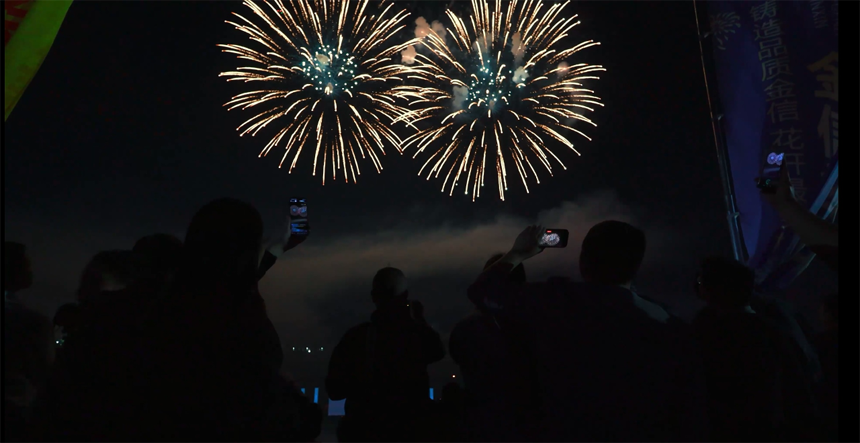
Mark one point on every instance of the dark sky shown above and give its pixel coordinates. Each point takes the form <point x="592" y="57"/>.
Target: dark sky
<point x="122" y="133"/>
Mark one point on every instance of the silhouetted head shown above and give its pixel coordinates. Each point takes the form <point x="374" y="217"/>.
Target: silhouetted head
<point x="389" y="287"/>
<point x="517" y="275"/>
<point x="160" y="253"/>
<point x="725" y="283"/>
<point x="223" y="242"/>
<point x="612" y="252"/>
<point x="109" y="271"/>
<point x="17" y="271"/>
<point x="829" y="312"/>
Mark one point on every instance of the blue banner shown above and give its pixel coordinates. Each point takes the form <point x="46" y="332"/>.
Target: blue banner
<point x="776" y="72"/>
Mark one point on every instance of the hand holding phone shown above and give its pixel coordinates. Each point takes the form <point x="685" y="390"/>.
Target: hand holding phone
<point x="299" y="217"/>
<point x="295" y="233"/>
<point x="554" y="238"/>
<point x="778" y="192"/>
<point x="770" y="173"/>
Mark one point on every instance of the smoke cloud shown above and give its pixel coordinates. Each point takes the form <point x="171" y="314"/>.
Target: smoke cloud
<point x="408" y="55"/>
<point x="461" y="95"/>
<point x="520" y="75"/>
<point x="324" y="60"/>
<point x="439" y="28"/>
<point x="517" y="48"/>
<point x="562" y="69"/>
<point x="422" y="28"/>
<point x="324" y="287"/>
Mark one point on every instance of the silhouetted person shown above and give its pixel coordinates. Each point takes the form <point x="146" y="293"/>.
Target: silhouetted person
<point x="197" y="364"/>
<point x="98" y="364"/>
<point x="109" y="271"/>
<point x="28" y="344"/>
<point x="380" y="367"/>
<point x="161" y="254"/>
<point x="610" y="366"/>
<point x="827" y="387"/>
<point x="28" y="352"/>
<point x="217" y="355"/>
<point x="493" y="352"/>
<point x="757" y="390"/>
<point x="17" y="270"/>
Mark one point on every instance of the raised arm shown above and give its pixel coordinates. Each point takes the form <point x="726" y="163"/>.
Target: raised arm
<point x="276" y="248"/>
<point x="813" y="231"/>
<point x="492" y="289"/>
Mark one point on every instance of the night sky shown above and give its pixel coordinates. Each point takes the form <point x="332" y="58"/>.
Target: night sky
<point x="122" y="133"/>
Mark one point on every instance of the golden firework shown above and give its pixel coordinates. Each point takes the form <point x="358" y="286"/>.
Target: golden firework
<point x="327" y="80"/>
<point x="501" y="94"/>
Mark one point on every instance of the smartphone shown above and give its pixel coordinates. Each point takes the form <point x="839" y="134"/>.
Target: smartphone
<point x="299" y="217"/>
<point x="554" y="238"/>
<point x="769" y="177"/>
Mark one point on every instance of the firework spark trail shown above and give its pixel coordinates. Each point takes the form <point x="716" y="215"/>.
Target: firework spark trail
<point x="503" y="92"/>
<point x="330" y="81"/>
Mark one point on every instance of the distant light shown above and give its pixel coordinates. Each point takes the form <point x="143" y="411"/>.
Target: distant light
<point x="303" y="390"/>
<point x="309" y="351"/>
<point x="321" y="349"/>
<point x="453" y="376"/>
<point x="294" y="348"/>
<point x="772" y="158"/>
<point x="431" y="393"/>
<point x="316" y="395"/>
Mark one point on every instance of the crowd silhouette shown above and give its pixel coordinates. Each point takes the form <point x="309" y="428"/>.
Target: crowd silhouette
<point x="171" y="341"/>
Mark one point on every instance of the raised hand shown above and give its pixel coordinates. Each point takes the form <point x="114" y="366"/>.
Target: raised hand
<point x="527" y="244"/>
<point x="285" y="241"/>
<point x="782" y="193"/>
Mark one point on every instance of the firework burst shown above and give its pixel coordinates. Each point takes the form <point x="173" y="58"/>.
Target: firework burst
<point x="327" y="80"/>
<point x="502" y="95"/>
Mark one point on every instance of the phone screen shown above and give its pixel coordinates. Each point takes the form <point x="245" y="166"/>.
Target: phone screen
<point x="770" y="171"/>
<point x="554" y="238"/>
<point x="299" y="217"/>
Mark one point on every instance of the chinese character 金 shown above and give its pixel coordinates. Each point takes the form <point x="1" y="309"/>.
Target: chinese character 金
<point x="764" y="10"/>
<point x="787" y="138"/>
<point x="829" y="83"/>
<point x="785" y="110"/>
<point x="770" y="69"/>
<point x="794" y="159"/>
<point x="799" y="189"/>
<point x="779" y="89"/>
<point x="768" y="29"/>
<point x="828" y="130"/>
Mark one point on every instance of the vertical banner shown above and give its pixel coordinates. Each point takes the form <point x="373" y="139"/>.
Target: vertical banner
<point x="30" y="28"/>
<point x="776" y="69"/>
